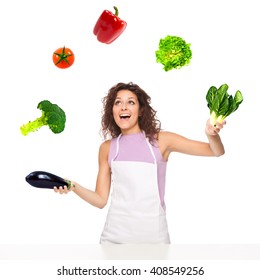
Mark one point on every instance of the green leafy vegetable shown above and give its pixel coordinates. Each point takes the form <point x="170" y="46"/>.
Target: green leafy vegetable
<point x="173" y="52"/>
<point x="221" y="104"/>
<point x="52" y="116"/>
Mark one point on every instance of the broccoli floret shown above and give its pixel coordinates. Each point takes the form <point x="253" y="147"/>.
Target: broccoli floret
<point x="52" y="116"/>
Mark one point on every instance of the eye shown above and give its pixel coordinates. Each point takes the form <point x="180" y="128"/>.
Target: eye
<point x="131" y="102"/>
<point x="117" y="102"/>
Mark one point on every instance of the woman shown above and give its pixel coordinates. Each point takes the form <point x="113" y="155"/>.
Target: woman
<point x="134" y="160"/>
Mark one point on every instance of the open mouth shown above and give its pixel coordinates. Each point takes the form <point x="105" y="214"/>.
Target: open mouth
<point x="124" y="116"/>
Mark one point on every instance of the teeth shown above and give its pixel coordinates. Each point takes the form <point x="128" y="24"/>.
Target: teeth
<point x="124" y="116"/>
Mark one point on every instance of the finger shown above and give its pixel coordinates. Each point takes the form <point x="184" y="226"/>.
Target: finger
<point x="220" y="124"/>
<point x="61" y="190"/>
<point x="65" y="189"/>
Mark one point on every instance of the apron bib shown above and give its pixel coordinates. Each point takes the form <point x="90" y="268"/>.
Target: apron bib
<point x="135" y="214"/>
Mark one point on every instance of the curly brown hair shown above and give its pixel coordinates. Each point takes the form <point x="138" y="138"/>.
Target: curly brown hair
<point x="147" y="121"/>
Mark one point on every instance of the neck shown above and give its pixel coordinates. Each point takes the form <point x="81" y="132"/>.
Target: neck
<point x="131" y="131"/>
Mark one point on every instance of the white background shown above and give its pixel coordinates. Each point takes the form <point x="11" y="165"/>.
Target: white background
<point x="209" y="200"/>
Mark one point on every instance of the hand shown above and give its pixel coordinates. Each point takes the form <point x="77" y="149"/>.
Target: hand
<point x="65" y="189"/>
<point x="214" y="130"/>
<point x="62" y="190"/>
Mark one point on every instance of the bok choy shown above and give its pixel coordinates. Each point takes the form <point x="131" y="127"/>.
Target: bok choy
<point x="221" y="104"/>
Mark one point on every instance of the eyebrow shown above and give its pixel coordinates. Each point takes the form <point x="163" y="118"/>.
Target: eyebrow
<point x="118" y="97"/>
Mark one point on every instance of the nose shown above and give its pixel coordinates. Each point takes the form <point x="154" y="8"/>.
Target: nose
<point x="124" y="107"/>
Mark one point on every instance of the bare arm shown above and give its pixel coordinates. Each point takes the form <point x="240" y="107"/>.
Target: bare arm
<point x="169" y="142"/>
<point x="99" y="197"/>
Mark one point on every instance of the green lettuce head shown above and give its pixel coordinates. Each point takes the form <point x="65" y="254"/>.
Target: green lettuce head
<point x="173" y="52"/>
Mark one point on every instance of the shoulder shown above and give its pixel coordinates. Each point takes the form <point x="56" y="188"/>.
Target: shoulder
<point x="173" y="140"/>
<point x="169" y="142"/>
<point x="166" y="137"/>
<point x="165" y="140"/>
<point x="104" y="148"/>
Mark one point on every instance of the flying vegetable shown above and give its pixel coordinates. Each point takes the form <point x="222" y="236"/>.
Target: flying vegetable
<point x="173" y="52"/>
<point x="221" y="104"/>
<point x="63" y="58"/>
<point x="109" y="27"/>
<point x="52" y="116"/>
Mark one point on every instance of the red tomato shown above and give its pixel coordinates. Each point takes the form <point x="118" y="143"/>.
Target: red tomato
<point x="63" y="57"/>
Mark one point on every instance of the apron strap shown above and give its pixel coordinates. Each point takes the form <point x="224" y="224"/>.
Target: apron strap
<point x="151" y="149"/>
<point x="117" y="146"/>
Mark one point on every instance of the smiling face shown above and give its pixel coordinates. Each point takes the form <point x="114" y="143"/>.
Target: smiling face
<point x="126" y="111"/>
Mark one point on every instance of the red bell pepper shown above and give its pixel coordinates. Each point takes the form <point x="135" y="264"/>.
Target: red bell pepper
<point x="109" y="26"/>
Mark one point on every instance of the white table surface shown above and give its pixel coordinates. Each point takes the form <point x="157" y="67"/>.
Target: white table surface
<point x="131" y="252"/>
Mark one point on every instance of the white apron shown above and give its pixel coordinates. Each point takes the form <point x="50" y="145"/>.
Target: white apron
<point x="135" y="214"/>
